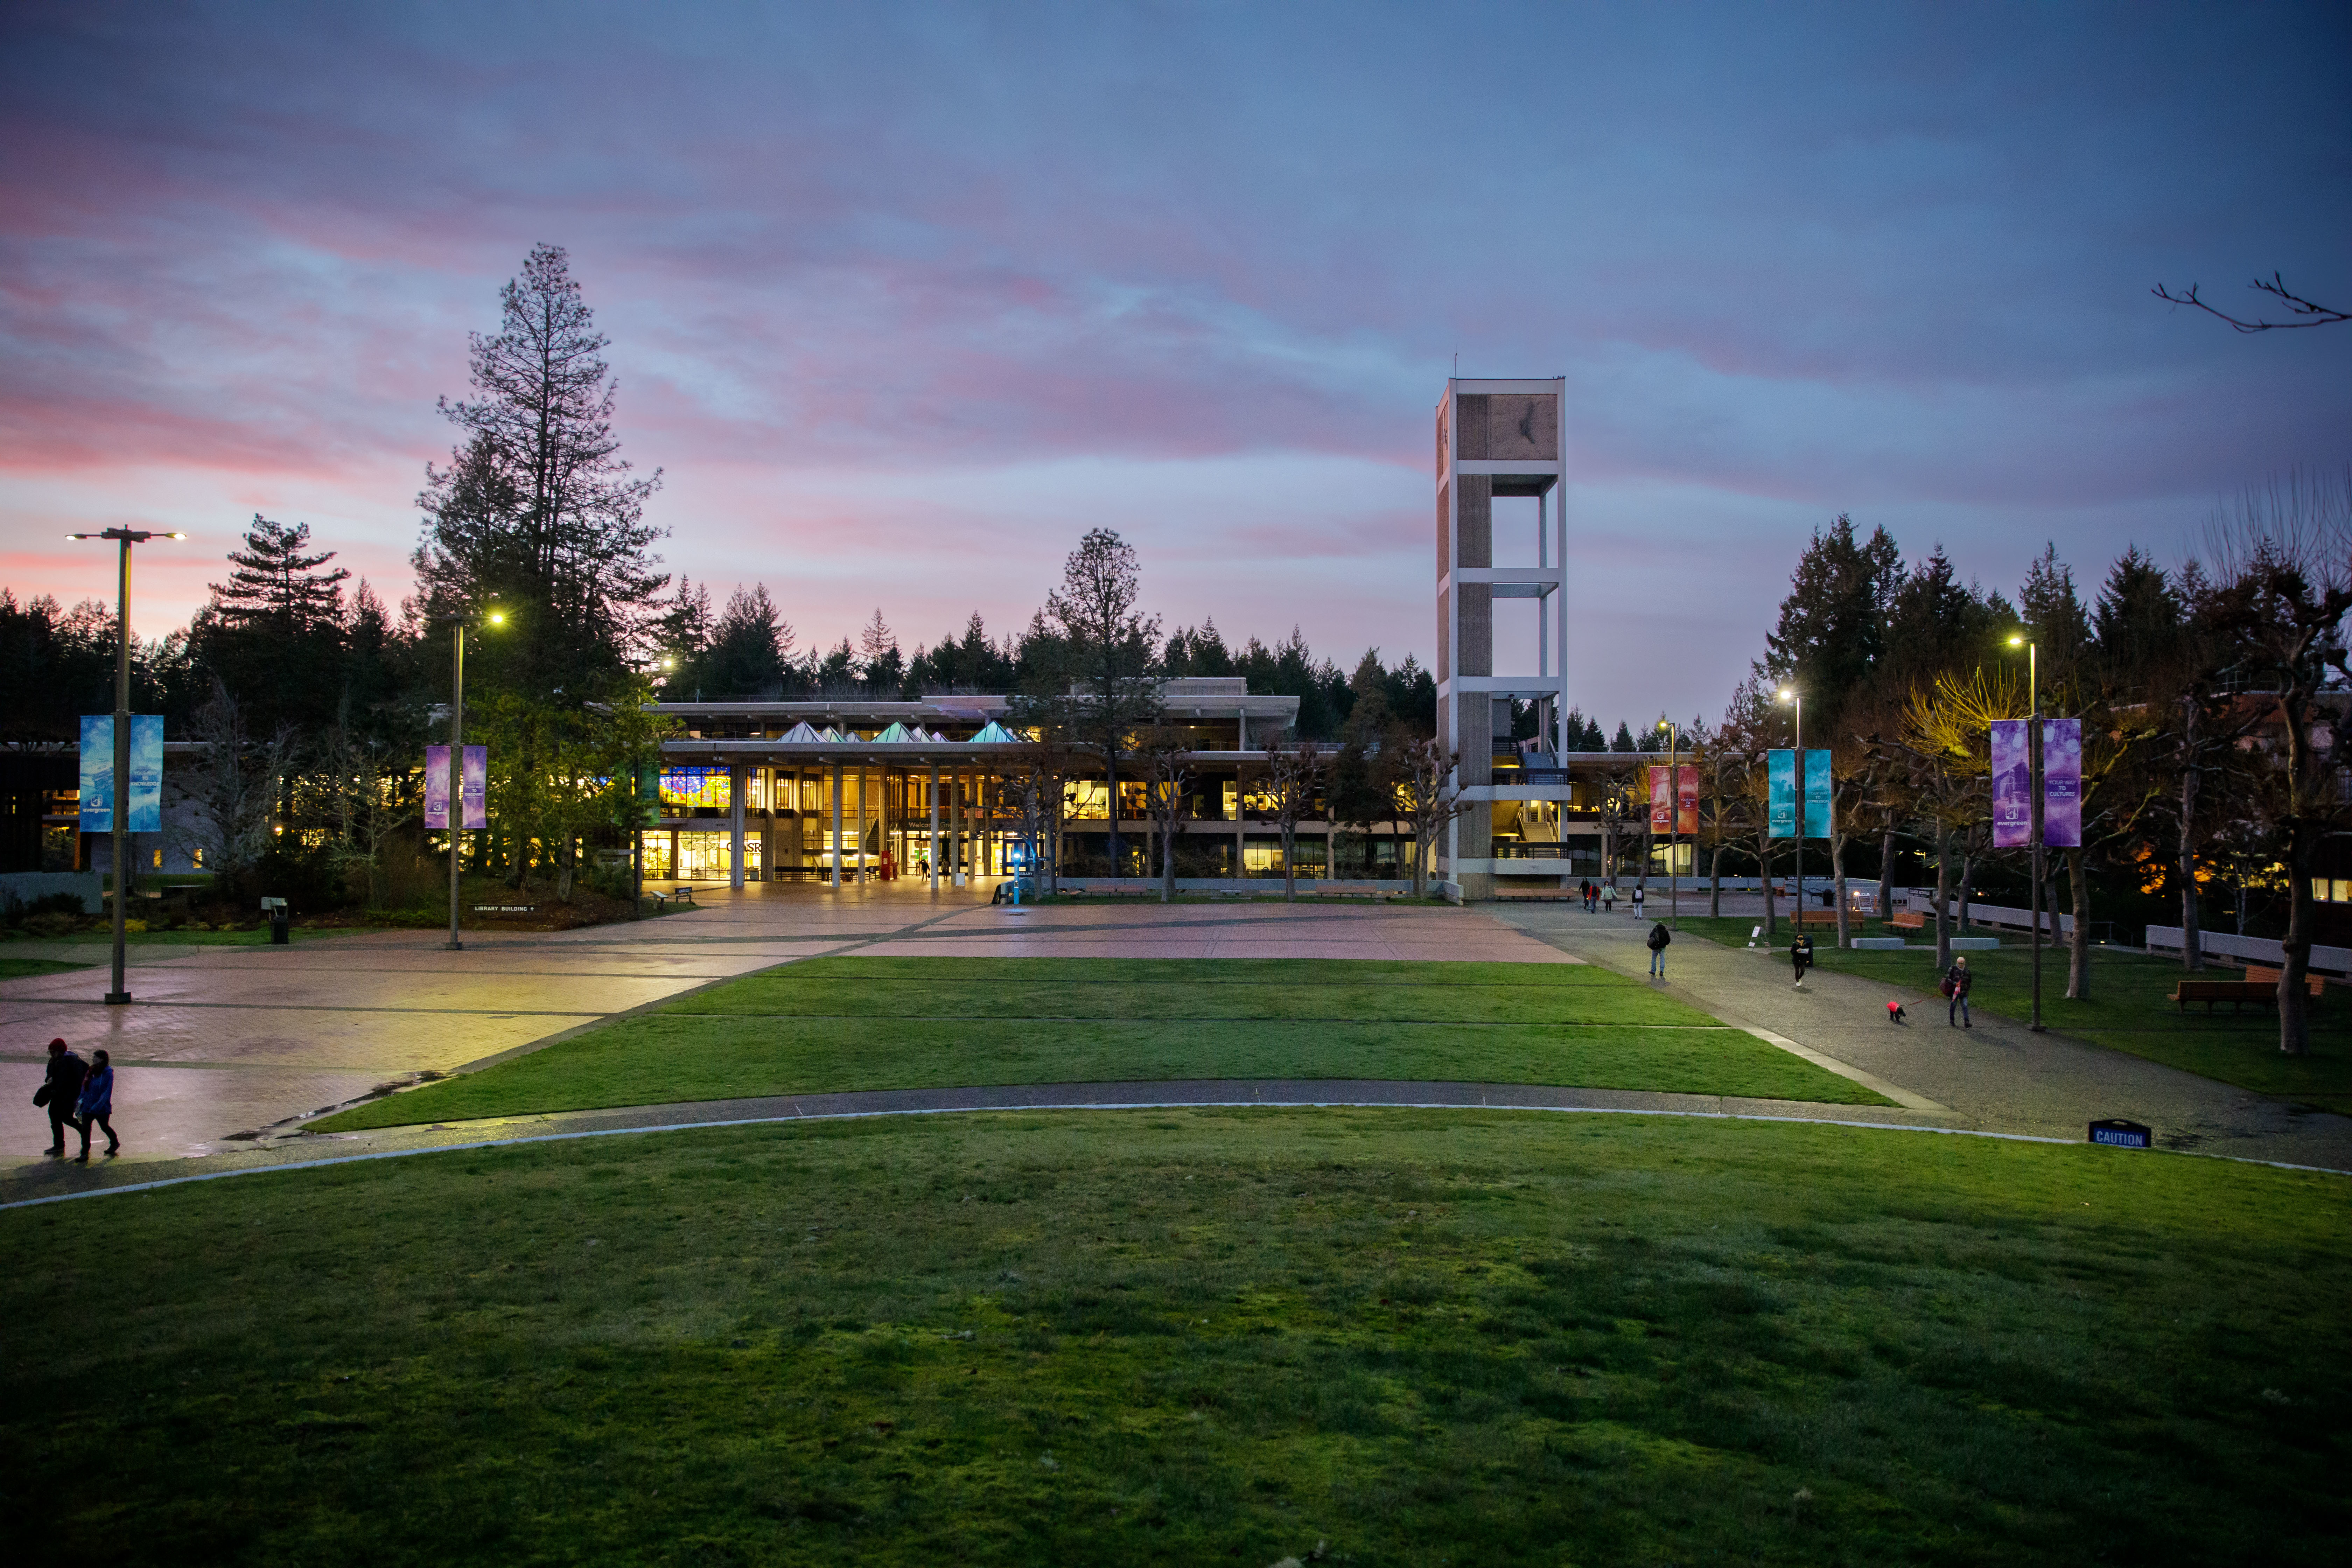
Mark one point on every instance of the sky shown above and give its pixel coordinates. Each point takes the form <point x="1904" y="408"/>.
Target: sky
<point x="904" y="299"/>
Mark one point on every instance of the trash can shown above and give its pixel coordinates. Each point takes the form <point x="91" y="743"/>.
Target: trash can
<point x="281" y="921"/>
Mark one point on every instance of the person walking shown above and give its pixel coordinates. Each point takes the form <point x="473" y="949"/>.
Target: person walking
<point x="1641" y="896"/>
<point x="1659" y="938"/>
<point x="1957" y="981"/>
<point x="96" y="1103"/>
<point x="1801" y="956"/>
<point x="1584" y="893"/>
<point x="1609" y="898"/>
<point x="60" y="1091"/>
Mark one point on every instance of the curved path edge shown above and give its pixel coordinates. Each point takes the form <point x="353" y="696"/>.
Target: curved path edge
<point x="317" y="1150"/>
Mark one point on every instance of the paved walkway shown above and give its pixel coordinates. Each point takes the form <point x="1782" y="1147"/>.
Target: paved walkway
<point x="224" y="1043"/>
<point x="1998" y="1077"/>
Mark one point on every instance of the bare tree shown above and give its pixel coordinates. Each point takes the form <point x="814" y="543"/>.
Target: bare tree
<point x="2283" y="557"/>
<point x="367" y="802"/>
<point x="232" y="790"/>
<point x="1428" y="798"/>
<point x="1107" y="644"/>
<point x="1289" y="781"/>
<point x="2311" y="314"/>
<point x="1166" y="755"/>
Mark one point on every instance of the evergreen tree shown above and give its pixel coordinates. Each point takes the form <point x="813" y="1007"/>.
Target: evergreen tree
<point x="1623" y="741"/>
<point x="278" y="586"/>
<point x="748" y="647"/>
<point x="2138" y="621"/>
<point x="537" y="505"/>
<point x="274" y="632"/>
<point x="878" y="659"/>
<point x="2054" y="617"/>
<point x="1832" y="629"/>
<point x="1937" y="624"/>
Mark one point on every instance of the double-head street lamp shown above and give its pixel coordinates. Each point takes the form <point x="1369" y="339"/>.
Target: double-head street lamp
<point x="458" y="761"/>
<point x="125" y="537"/>
<point x="2033" y="756"/>
<point x="1789" y="694"/>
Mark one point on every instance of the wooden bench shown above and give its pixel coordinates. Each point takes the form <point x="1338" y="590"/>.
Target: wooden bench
<point x="1909" y="919"/>
<point x="2237" y="993"/>
<point x="2256" y="974"/>
<point x="1814" y="916"/>
<point x="1374" y="893"/>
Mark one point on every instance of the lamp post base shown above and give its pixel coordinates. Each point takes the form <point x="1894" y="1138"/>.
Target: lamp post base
<point x="118" y="998"/>
<point x="453" y="947"/>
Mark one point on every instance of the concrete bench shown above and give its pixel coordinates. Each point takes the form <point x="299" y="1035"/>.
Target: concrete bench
<point x="1373" y="893"/>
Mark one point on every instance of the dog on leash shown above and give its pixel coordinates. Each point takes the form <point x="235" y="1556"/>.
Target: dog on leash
<point x="1894" y="1012"/>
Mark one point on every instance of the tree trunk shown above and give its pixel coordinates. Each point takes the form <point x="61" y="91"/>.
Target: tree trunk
<point x="1968" y="887"/>
<point x="1714" y="882"/>
<point x="1289" y="862"/>
<point x="2193" y="955"/>
<point x="1837" y="883"/>
<point x="2078" y="945"/>
<point x="1764" y="880"/>
<point x="566" y="856"/>
<point x="1943" y="899"/>
<point x="2294" y="998"/>
<point x="1887" y="873"/>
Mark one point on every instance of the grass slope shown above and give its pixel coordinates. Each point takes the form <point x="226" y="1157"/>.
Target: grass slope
<point x="23" y="968"/>
<point x="833" y="1024"/>
<point x="1205" y="1336"/>
<point x="2127" y="1010"/>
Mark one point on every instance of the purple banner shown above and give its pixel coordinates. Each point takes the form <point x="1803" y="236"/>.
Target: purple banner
<point x="2062" y="784"/>
<point x="476" y="785"/>
<point x="2012" y="786"/>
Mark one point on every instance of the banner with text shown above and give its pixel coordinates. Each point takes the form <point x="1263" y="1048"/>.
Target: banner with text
<point x="476" y="785"/>
<point x="146" y="773"/>
<point x="2062" y="784"/>
<point x="1780" y="793"/>
<point x="2012" y="786"/>
<point x="1673" y="801"/>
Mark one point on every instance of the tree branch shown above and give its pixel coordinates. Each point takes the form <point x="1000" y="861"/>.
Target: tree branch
<point x="2313" y="313"/>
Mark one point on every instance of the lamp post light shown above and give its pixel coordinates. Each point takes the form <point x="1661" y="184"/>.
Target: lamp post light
<point x="124" y="538"/>
<point x="457" y="763"/>
<point x="1789" y="694"/>
<point x="2033" y="758"/>
<point x="1673" y="823"/>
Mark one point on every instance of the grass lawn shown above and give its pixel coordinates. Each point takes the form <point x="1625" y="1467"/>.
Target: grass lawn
<point x="830" y="1024"/>
<point x="2126" y="1011"/>
<point x="1199" y="1337"/>
<point x="20" y="968"/>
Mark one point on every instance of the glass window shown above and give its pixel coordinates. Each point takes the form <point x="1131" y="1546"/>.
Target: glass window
<point x="699" y="789"/>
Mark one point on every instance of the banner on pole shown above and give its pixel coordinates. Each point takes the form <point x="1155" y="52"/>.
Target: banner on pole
<point x="1686" y="802"/>
<point x="97" y="773"/>
<point x="1673" y="801"/>
<point x="2012" y="786"/>
<point x="476" y="785"/>
<point x="1817" y="794"/>
<point x="2062" y="784"/>
<point x="1780" y="793"/>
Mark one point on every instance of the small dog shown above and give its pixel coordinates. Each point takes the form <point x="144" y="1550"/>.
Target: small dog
<point x="1894" y="1012"/>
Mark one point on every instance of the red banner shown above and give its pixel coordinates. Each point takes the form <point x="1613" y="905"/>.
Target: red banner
<point x="1674" y="804"/>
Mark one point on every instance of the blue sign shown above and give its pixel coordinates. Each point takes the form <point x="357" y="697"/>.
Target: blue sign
<point x="2117" y="1133"/>
<point x="146" y="773"/>
<point x="1817" y="794"/>
<point x="1780" y="799"/>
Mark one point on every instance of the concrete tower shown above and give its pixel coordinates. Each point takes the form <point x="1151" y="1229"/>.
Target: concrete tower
<point x="1497" y="439"/>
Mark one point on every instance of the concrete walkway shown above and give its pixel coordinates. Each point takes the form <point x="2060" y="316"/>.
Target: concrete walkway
<point x="1998" y="1076"/>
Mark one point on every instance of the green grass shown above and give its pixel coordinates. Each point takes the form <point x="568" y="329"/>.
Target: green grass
<point x="833" y="1024"/>
<point x="103" y="936"/>
<point x="2127" y="1010"/>
<point x="1198" y="1337"/>
<point x="22" y="968"/>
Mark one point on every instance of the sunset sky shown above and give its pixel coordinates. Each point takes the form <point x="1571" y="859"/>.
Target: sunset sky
<point x="902" y="299"/>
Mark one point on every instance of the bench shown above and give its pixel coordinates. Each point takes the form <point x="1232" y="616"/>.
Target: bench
<point x="1374" y="893"/>
<point x="2237" y="993"/>
<point x="2256" y="974"/>
<point x="1814" y="916"/>
<point x="1909" y="919"/>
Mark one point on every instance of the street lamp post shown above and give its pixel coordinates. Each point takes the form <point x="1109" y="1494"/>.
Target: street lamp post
<point x="1789" y="694"/>
<point x="2033" y="758"/>
<point x="1673" y="824"/>
<point x="124" y="538"/>
<point x="458" y="764"/>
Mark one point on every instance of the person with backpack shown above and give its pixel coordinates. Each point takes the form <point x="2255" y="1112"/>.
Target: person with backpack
<point x="1659" y="938"/>
<point x="1641" y="896"/>
<point x="96" y="1103"/>
<point x="1584" y="893"/>
<point x="1957" y="981"/>
<point x="1608" y="898"/>
<point x="60" y="1091"/>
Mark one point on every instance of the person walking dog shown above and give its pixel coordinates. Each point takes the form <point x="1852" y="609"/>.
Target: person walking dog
<point x="1801" y="956"/>
<point x="1957" y="981"/>
<point x="60" y="1091"/>
<point x="96" y="1103"/>
<point x="1659" y="938"/>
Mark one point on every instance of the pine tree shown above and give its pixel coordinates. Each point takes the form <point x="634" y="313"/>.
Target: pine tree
<point x="2054" y="617"/>
<point x="1831" y="631"/>
<point x="537" y="505"/>
<point x="278" y="586"/>
<point x="748" y="646"/>
<point x="273" y="633"/>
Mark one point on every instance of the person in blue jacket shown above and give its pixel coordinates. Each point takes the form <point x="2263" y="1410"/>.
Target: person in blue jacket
<point x="96" y="1104"/>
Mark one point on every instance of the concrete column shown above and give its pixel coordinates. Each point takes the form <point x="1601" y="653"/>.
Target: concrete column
<point x="861" y="824"/>
<point x="934" y="857"/>
<point x="837" y="827"/>
<point x="735" y="781"/>
<point x="955" y="827"/>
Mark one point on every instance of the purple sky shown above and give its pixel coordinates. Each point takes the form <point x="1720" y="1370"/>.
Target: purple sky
<point x="904" y="299"/>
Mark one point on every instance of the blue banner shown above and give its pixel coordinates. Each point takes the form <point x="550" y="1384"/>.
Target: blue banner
<point x="1780" y="796"/>
<point x="1817" y="794"/>
<point x="146" y="773"/>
